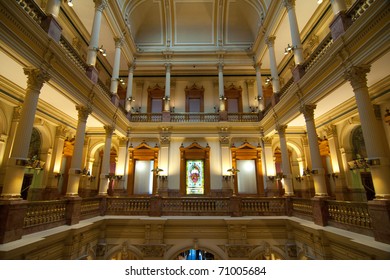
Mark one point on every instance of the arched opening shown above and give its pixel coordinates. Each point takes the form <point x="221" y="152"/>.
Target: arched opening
<point x="195" y="254"/>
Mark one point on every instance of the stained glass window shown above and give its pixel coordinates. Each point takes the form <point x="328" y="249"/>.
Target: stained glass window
<point x="195" y="177"/>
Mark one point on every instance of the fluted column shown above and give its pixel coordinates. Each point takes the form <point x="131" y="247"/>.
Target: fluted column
<point x="269" y="166"/>
<point x="318" y="172"/>
<point x="221" y="88"/>
<point x="55" y="166"/>
<point x="16" y="163"/>
<point x="287" y="177"/>
<point x="270" y="41"/>
<point x="167" y="97"/>
<point x="373" y="136"/>
<point x="121" y="165"/>
<point x="100" y="5"/>
<point x="115" y="68"/>
<point x="104" y="180"/>
<point x="75" y="165"/>
<point x="129" y="91"/>
<point x="260" y="96"/>
<point x="294" y="30"/>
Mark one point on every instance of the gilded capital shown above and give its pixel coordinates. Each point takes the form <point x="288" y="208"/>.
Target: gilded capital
<point x="118" y="42"/>
<point x="109" y="130"/>
<point x="83" y="112"/>
<point x="308" y="111"/>
<point x="100" y="5"/>
<point x="269" y="41"/>
<point x="61" y="131"/>
<point x="267" y="140"/>
<point x="35" y="78"/>
<point x="330" y="131"/>
<point x="281" y="129"/>
<point x="289" y="4"/>
<point x="357" y="75"/>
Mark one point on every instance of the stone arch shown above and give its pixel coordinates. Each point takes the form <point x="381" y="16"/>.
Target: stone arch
<point x="124" y="251"/>
<point x="346" y="133"/>
<point x="267" y="251"/>
<point x="4" y="128"/>
<point x="177" y="253"/>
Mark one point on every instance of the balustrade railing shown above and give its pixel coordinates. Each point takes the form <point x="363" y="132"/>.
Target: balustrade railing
<point x="349" y="213"/>
<point x="44" y="212"/>
<point x="145" y="117"/>
<point x="318" y="53"/>
<point x="90" y="207"/>
<point x="196" y="206"/>
<point x="302" y="207"/>
<point x="243" y="117"/>
<point x="32" y="9"/>
<point x="128" y="206"/>
<point x="264" y="206"/>
<point x="359" y="8"/>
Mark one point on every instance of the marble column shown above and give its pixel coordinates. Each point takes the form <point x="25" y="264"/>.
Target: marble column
<point x="121" y="166"/>
<point x="338" y="175"/>
<point x="294" y="31"/>
<point x="50" y="23"/>
<point x="104" y="180"/>
<point x="341" y="21"/>
<point x="115" y="71"/>
<point x="129" y="91"/>
<point x="16" y="163"/>
<point x="221" y="88"/>
<point x="260" y="96"/>
<point x="167" y="97"/>
<point x="376" y="152"/>
<point x="76" y="163"/>
<point x="318" y="171"/>
<point x="270" y="41"/>
<point x="93" y="48"/>
<point x="270" y="167"/>
<point x="55" y="165"/>
<point x="287" y="177"/>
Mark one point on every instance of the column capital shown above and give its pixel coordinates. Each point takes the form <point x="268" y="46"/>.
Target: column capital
<point x="132" y="67"/>
<point x="330" y="131"/>
<point x="270" y="40"/>
<point x="281" y="129"/>
<point x="357" y="75"/>
<point x="289" y="4"/>
<point x="83" y="112"/>
<point x="308" y="111"/>
<point x="35" y="78"/>
<point x="257" y="66"/>
<point x="118" y="42"/>
<point x="220" y="66"/>
<point x="168" y="66"/>
<point x="61" y="131"/>
<point x="100" y="5"/>
<point x="267" y="140"/>
<point x="16" y="113"/>
<point x="109" y="130"/>
<point x="123" y="141"/>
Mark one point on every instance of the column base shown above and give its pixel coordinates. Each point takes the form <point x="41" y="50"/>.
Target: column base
<point x="92" y="74"/>
<point x="339" y="25"/>
<point x="320" y="210"/>
<point x="166" y="116"/>
<point x="12" y="213"/>
<point x="223" y="116"/>
<point x="73" y="210"/>
<point x="115" y="99"/>
<point x="380" y="216"/>
<point x="52" y="27"/>
<point x="298" y="72"/>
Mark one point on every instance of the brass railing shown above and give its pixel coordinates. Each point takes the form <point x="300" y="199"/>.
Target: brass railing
<point x="349" y="213"/>
<point x="128" y="206"/>
<point x="44" y="212"/>
<point x="359" y="8"/>
<point x="301" y="206"/>
<point x="195" y="206"/>
<point x="263" y="206"/>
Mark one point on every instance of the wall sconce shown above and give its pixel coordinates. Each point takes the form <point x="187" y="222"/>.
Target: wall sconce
<point x="314" y="171"/>
<point x="156" y="170"/>
<point x="166" y="98"/>
<point x="122" y="81"/>
<point x="333" y="175"/>
<point x="101" y="50"/>
<point x="118" y="177"/>
<point x="70" y="3"/>
<point x="85" y="172"/>
<point x="110" y="176"/>
<point x="289" y="49"/>
<point x="268" y="80"/>
<point x="387" y="116"/>
<point x="253" y="108"/>
<point x="222" y="98"/>
<point x="306" y="172"/>
<point x="280" y="176"/>
<point x="233" y="170"/>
